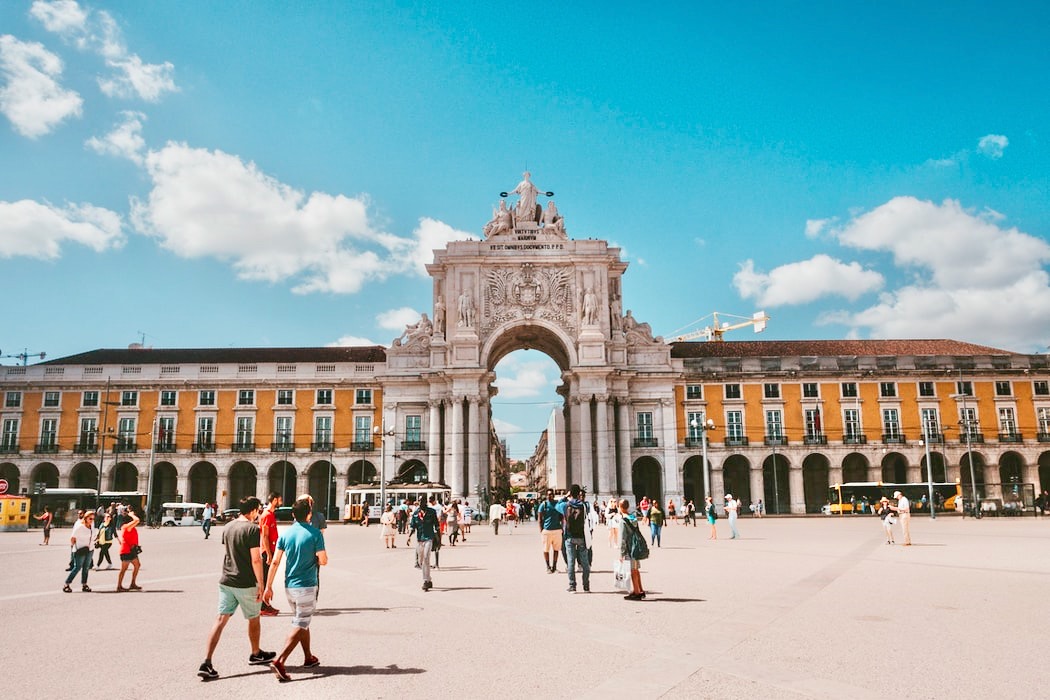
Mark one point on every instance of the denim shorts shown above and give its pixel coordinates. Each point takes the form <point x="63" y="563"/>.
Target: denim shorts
<point x="230" y="598"/>
<point x="302" y="602"/>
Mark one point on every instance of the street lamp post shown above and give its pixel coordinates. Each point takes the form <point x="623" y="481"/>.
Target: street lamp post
<point x="776" y="485"/>
<point x="383" y="434"/>
<point x="285" y="444"/>
<point x="929" y="467"/>
<point x="106" y="430"/>
<point x="703" y="426"/>
<point x="965" y="423"/>
<point x="149" y="474"/>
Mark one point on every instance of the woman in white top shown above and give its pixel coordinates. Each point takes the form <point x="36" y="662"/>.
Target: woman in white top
<point x="387" y="529"/>
<point x="613" y="518"/>
<point x="452" y="522"/>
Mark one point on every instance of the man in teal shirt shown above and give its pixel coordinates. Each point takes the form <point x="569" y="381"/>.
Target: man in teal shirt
<point x="303" y="545"/>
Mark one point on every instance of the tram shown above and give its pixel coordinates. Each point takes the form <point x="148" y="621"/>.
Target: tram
<point x="365" y="498"/>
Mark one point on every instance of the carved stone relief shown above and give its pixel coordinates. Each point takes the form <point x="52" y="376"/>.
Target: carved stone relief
<point x="528" y="291"/>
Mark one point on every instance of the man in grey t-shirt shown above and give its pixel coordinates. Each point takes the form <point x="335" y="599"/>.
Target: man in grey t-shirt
<point x="241" y="584"/>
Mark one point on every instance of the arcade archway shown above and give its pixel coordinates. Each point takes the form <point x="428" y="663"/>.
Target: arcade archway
<point x="1011" y="468"/>
<point x="84" y="476"/>
<point x="242" y="483"/>
<point x="855" y="468"/>
<point x="126" y="477"/>
<point x="815" y="468"/>
<point x="939" y="470"/>
<point x="646" y="481"/>
<point x="321" y="485"/>
<point x="281" y="479"/>
<point x="204" y="483"/>
<point x="736" y="475"/>
<point x="10" y="474"/>
<point x="45" y="473"/>
<point x="776" y="485"/>
<point x="362" y="472"/>
<point x="895" y="468"/>
<point x="165" y="484"/>
<point x="693" y="482"/>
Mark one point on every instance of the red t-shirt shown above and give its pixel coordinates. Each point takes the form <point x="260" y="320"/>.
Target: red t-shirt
<point x="268" y="524"/>
<point x="131" y="538"/>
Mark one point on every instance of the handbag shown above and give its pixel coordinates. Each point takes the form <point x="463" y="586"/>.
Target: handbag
<point x="622" y="575"/>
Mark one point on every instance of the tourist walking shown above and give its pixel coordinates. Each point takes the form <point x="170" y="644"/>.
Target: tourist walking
<point x="387" y="531"/>
<point x="672" y="512"/>
<point x="885" y="513"/>
<point x="268" y="543"/>
<point x="47" y="517"/>
<point x="656" y="523"/>
<point x="465" y="521"/>
<point x="690" y="514"/>
<point x="81" y="540"/>
<point x="712" y="516"/>
<point x="632" y="549"/>
<point x="129" y="550"/>
<point x="550" y="519"/>
<point x="206" y="518"/>
<point x="577" y="540"/>
<point x="106" y="533"/>
<point x="903" y="511"/>
<point x="612" y="521"/>
<point x="732" y="510"/>
<point x="240" y="584"/>
<point x="452" y="516"/>
<point x="425" y="526"/>
<point x="302" y="548"/>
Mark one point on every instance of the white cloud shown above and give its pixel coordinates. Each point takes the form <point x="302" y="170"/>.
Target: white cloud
<point x="125" y="141"/>
<point x="36" y="230"/>
<point x="212" y="204"/>
<point x="98" y="32"/>
<point x="975" y="281"/>
<point x="814" y="227"/>
<point x="523" y="379"/>
<point x="397" y="319"/>
<point x="805" y="281"/>
<point x="31" y="97"/>
<point x="506" y="428"/>
<point x="992" y="145"/>
<point x="352" y="341"/>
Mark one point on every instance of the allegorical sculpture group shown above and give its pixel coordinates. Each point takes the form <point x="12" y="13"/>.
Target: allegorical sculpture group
<point x="527" y="212"/>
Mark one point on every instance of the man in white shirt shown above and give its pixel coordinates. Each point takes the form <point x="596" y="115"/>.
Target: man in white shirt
<point x="732" y="510"/>
<point x="82" y="541"/>
<point x="903" y="509"/>
<point x="495" y="515"/>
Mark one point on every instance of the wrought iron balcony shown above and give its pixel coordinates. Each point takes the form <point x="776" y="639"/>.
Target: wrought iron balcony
<point x="1011" y="437"/>
<point x="125" y="446"/>
<point x="645" y="442"/>
<point x="935" y="438"/>
<point x="46" y="448"/>
<point x="242" y="447"/>
<point x="362" y="446"/>
<point x="736" y="441"/>
<point x="9" y="448"/>
<point x="778" y="440"/>
<point x="413" y="445"/>
<point x="815" y="439"/>
<point x="1043" y="437"/>
<point x="164" y="447"/>
<point x="857" y="439"/>
<point x="974" y="437"/>
<point x="694" y="442"/>
<point x="894" y="439"/>
<point x="282" y="446"/>
<point x="85" y="448"/>
<point x="204" y="446"/>
<point x="323" y="446"/>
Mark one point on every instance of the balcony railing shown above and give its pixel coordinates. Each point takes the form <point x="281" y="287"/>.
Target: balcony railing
<point x="778" y="440"/>
<point x="282" y="446"/>
<point x="85" y="448"/>
<point x="362" y="446"/>
<point x="894" y="439"/>
<point x="242" y="447"/>
<point x="204" y="446"/>
<point x="1043" y="437"/>
<point x="1011" y="437"/>
<point x="736" y="441"/>
<point x="46" y="448"/>
<point x="9" y="448"/>
<point x="976" y="438"/>
<point x="645" y="442"/>
<point x="164" y="447"/>
<point x="857" y="439"/>
<point x="694" y="442"/>
<point x="935" y="438"/>
<point x="413" y="445"/>
<point x="322" y="446"/>
<point x="815" y="439"/>
<point x="125" y="446"/>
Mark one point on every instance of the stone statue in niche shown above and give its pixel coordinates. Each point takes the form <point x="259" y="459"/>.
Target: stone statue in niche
<point x="502" y="220"/>
<point x="439" y="316"/>
<point x="466" y="309"/>
<point x="615" y="317"/>
<point x="590" y="308"/>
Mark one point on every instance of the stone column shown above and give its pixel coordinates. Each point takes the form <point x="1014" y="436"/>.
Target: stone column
<point x="222" y="486"/>
<point x="474" y="447"/>
<point x="454" y="473"/>
<point x="434" y="442"/>
<point x="606" y="468"/>
<point x="798" y="489"/>
<point x="585" y="464"/>
<point x="182" y="479"/>
<point x="623" y="436"/>
<point x="672" y="482"/>
<point x="758" y="484"/>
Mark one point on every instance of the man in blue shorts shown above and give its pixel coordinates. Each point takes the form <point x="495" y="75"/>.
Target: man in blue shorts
<point x="241" y="584"/>
<point x="303" y="545"/>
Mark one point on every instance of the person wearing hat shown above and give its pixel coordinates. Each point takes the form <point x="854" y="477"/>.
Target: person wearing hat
<point x="903" y="510"/>
<point x="732" y="510"/>
<point x="885" y="513"/>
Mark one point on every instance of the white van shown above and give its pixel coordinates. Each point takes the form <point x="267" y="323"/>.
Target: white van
<point x="182" y="514"/>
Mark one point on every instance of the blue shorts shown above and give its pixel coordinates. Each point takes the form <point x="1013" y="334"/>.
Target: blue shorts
<point x="230" y="598"/>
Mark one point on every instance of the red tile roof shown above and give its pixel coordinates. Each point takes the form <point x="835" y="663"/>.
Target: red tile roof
<point x="174" y="356"/>
<point x="829" y="348"/>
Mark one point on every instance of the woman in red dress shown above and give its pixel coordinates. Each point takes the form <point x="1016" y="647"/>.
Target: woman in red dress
<point x="129" y="550"/>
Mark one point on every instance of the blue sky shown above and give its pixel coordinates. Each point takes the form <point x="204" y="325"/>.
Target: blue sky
<point x="214" y="174"/>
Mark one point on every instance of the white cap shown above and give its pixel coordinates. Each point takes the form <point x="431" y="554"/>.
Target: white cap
<point x="729" y="495"/>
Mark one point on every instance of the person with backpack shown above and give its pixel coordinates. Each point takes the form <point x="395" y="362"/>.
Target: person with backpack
<point x="712" y="516"/>
<point x="576" y="538"/>
<point x="632" y="549"/>
<point x="550" y="519"/>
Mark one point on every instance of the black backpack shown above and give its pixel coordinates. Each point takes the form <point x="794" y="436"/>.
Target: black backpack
<point x="575" y="521"/>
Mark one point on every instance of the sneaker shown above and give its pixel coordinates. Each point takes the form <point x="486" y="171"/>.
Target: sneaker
<point x="262" y="658"/>
<point x="207" y="671"/>
<point x="134" y="587"/>
<point x="311" y="661"/>
<point x="268" y="611"/>
<point x="571" y="589"/>
<point x="586" y="589"/>
<point x="278" y="670"/>
<point x="85" y="588"/>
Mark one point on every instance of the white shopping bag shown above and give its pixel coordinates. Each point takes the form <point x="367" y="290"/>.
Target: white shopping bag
<point x="622" y="573"/>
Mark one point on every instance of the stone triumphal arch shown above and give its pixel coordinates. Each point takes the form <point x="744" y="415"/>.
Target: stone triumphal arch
<point x="528" y="285"/>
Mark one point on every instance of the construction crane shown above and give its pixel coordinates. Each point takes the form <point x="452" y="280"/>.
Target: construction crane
<point x="716" y="330"/>
<point x="25" y="355"/>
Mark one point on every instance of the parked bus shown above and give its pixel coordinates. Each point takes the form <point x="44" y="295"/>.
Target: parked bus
<point x="64" y="504"/>
<point x="367" y="496"/>
<point x="865" y="494"/>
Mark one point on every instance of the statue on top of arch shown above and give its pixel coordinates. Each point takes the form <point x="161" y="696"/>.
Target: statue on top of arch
<point x="417" y="336"/>
<point x="527" y="213"/>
